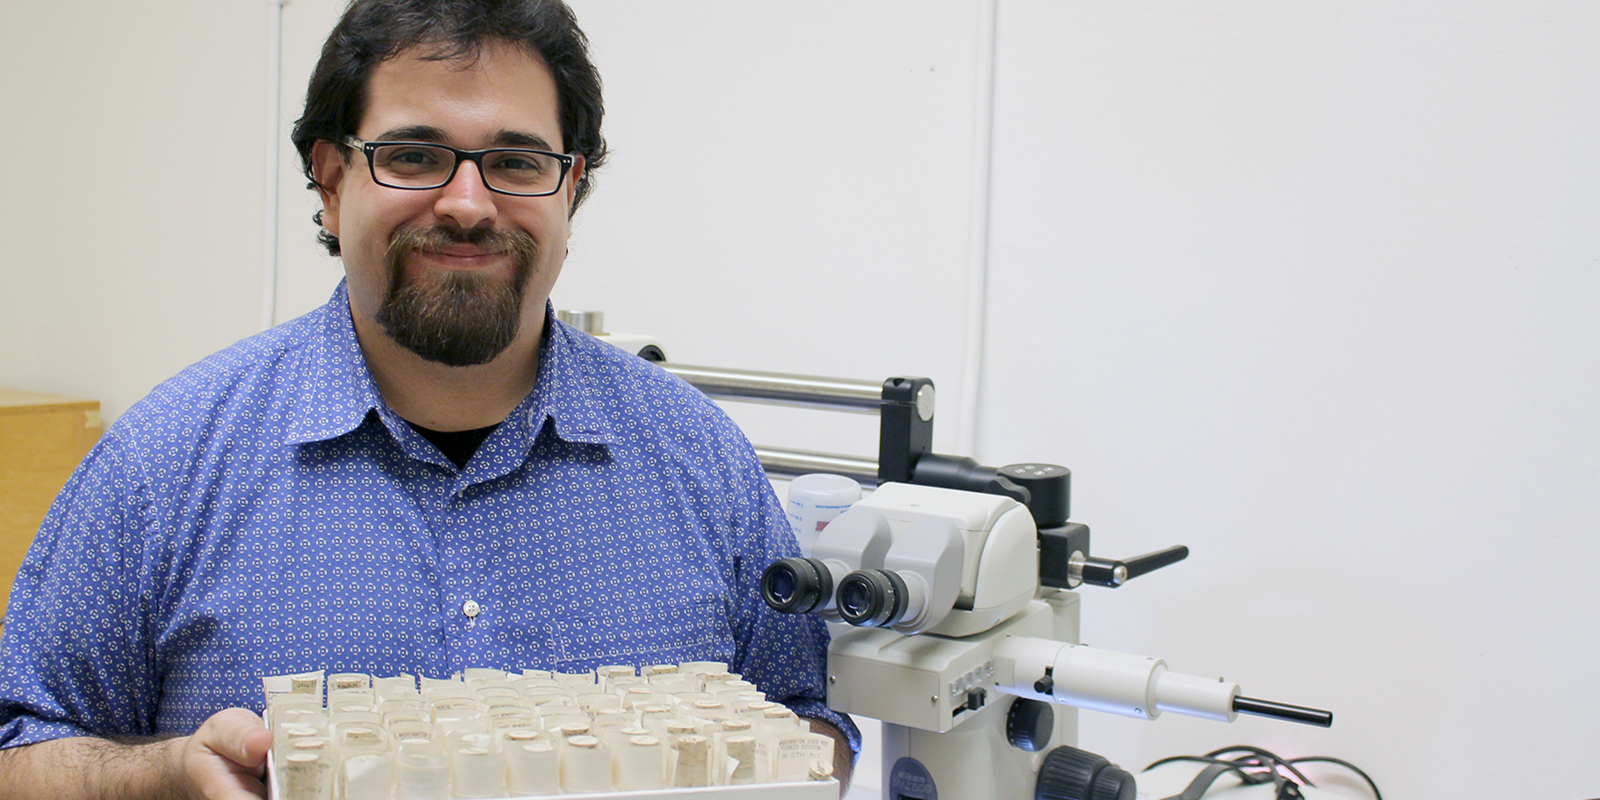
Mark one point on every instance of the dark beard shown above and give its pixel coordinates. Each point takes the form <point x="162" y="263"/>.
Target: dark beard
<point x="459" y="319"/>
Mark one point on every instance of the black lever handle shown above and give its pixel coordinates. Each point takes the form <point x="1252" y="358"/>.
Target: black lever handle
<point x="1113" y="573"/>
<point x="1150" y="562"/>
<point x="1283" y="711"/>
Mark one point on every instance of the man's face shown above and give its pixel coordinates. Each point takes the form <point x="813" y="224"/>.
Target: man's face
<point x="453" y="274"/>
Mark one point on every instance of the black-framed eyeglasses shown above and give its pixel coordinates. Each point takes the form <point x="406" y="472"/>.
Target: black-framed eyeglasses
<point x="423" y="165"/>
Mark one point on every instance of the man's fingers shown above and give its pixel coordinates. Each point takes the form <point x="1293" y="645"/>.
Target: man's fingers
<point x="238" y="735"/>
<point x="224" y="759"/>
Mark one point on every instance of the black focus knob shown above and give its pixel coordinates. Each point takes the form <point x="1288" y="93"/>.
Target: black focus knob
<point x="1072" y="774"/>
<point x="1049" y="491"/>
<point x="1113" y="783"/>
<point x="1029" y="724"/>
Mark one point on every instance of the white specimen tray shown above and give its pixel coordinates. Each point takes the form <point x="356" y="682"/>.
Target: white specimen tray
<point x="809" y="790"/>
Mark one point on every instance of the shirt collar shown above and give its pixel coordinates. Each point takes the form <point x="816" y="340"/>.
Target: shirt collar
<point x="569" y="391"/>
<point x="335" y="392"/>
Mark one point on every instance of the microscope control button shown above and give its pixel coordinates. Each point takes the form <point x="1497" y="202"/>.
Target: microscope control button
<point x="470" y="608"/>
<point x="975" y="698"/>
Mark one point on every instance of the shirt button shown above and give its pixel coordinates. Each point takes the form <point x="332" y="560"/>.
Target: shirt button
<point x="470" y="608"/>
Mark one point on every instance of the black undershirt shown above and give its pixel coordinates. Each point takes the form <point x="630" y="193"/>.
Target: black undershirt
<point x="458" y="446"/>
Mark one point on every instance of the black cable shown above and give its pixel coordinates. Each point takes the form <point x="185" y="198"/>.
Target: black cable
<point x="1202" y="782"/>
<point x="1282" y="787"/>
<point x="1247" y="777"/>
<point x="1258" y="752"/>
<point x="1268" y="763"/>
<point x="1237" y="766"/>
<point x="1377" y="795"/>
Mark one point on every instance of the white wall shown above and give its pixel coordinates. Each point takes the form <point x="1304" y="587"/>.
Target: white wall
<point x="305" y="275"/>
<point x="133" y="213"/>
<point x="1309" y="287"/>
<point x="1300" y="286"/>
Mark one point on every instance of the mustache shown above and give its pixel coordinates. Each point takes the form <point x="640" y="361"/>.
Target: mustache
<point x="437" y="237"/>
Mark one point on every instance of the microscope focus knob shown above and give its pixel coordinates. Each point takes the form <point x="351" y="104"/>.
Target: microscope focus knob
<point x="1030" y="724"/>
<point x="1113" y="783"/>
<point x="1072" y="774"/>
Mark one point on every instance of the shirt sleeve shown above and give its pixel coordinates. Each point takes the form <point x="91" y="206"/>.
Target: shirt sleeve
<point x="785" y="654"/>
<point x="73" y="660"/>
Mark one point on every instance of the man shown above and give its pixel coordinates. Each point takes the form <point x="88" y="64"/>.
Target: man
<point x="427" y="474"/>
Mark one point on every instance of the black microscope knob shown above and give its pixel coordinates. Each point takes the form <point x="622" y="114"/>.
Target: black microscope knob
<point x="1029" y="724"/>
<point x="1072" y="774"/>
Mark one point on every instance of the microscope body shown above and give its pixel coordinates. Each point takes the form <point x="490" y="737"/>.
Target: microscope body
<point x="945" y="726"/>
<point x="973" y="666"/>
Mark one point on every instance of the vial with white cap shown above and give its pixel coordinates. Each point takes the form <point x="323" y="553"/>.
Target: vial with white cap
<point x="477" y="772"/>
<point x="585" y="766"/>
<point x="421" y="773"/>
<point x="637" y="764"/>
<point x="814" y="501"/>
<point x="532" y="769"/>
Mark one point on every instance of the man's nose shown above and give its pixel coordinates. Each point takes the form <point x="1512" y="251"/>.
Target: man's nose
<point x="465" y="200"/>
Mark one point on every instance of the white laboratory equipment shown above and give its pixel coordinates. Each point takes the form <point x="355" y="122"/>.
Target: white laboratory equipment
<point x="954" y="579"/>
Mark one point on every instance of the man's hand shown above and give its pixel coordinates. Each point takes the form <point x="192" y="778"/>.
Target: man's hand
<point x="226" y="757"/>
<point x="223" y="760"/>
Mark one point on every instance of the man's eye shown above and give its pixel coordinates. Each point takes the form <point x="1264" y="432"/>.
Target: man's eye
<point x="518" y="163"/>
<point x="410" y="159"/>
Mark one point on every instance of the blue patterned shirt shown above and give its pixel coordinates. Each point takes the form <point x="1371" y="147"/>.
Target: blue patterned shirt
<point x="264" y="512"/>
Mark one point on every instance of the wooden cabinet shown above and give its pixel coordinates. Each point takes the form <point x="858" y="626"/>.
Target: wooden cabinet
<point x="42" y="439"/>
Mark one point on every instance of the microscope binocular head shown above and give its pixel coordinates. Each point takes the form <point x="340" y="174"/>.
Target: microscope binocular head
<point x="896" y="560"/>
<point x="869" y="598"/>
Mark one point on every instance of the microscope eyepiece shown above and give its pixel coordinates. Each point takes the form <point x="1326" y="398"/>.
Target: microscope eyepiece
<point x="796" y="585"/>
<point x="873" y="598"/>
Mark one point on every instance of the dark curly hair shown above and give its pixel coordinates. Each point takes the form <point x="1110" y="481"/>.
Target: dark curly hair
<point x="373" y="31"/>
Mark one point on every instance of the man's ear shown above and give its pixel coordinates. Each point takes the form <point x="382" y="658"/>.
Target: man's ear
<point x="573" y="176"/>
<point x="328" y="166"/>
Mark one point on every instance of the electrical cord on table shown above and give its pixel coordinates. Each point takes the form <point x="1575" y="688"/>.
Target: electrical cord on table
<point x="1257" y="766"/>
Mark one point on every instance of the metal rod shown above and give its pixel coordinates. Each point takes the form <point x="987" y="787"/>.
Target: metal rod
<point x="776" y="387"/>
<point x="789" y="463"/>
<point x="1283" y="711"/>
